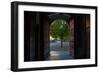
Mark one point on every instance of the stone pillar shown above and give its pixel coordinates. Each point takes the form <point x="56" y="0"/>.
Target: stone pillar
<point x="46" y="28"/>
<point x="71" y="33"/>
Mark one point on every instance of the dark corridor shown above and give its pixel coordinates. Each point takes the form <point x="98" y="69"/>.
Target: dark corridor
<point x="36" y="35"/>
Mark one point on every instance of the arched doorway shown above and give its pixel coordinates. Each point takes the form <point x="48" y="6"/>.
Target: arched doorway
<point x="62" y="41"/>
<point x="59" y="40"/>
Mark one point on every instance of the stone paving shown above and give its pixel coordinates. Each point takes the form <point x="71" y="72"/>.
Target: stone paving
<point x="58" y="53"/>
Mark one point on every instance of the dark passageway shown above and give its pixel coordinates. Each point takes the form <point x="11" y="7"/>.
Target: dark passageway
<point x="37" y="44"/>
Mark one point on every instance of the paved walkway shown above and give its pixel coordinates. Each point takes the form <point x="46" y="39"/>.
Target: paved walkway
<point x="56" y="46"/>
<point x="58" y="53"/>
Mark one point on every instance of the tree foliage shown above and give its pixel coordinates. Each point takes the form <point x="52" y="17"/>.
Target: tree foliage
<point x="59" y="29"/>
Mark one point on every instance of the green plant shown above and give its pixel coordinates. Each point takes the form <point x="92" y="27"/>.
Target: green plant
<point x="59" y="30"/>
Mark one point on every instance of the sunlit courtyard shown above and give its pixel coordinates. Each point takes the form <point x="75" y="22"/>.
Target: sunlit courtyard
<point x="59" y="40"/>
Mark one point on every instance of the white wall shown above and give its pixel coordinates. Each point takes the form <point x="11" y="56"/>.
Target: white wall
<point x="5" y="23"/>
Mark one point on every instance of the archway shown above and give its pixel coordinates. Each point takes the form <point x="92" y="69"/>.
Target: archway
<point x="59" y="40"/>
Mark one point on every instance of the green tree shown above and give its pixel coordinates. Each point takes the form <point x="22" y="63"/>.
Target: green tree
<point x="59" y="30"/>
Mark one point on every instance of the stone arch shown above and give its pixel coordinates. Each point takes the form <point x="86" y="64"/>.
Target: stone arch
<point x="49" y="19"/>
